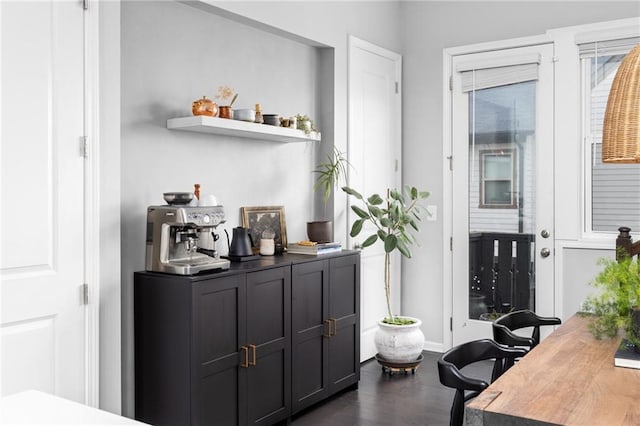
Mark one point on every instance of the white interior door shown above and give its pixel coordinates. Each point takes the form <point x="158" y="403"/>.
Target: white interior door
<point x="503" y="228"/>
<point x="42" y="249"/>
<point x="374" y="154"/>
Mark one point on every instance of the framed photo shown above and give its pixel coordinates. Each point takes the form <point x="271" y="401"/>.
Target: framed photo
<point x="260" y="219"/>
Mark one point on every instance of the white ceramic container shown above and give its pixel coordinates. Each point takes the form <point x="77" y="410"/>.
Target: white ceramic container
<point x="399" y="343"/>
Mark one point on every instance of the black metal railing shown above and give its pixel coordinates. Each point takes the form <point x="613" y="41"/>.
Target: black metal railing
<point x="501" y="272"/>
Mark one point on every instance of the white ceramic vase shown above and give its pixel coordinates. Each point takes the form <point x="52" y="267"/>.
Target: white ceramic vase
<point x="399" y="343"/>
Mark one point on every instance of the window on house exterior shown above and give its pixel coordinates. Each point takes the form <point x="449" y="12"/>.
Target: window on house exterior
<point x="613" y="190"/>
<point x="498" y="179"/>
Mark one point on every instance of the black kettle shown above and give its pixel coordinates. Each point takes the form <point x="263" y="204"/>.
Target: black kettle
<point x="241" y="243"/>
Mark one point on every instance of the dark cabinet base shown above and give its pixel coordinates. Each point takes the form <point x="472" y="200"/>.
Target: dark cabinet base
<point x="252" y="345"/>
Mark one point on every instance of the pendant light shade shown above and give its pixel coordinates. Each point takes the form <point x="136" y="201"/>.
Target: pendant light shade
<point x="621" y="127"/>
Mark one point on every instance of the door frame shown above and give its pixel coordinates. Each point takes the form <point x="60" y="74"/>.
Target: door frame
<point x="448" y="162"/>
<point x="91" y="262"/>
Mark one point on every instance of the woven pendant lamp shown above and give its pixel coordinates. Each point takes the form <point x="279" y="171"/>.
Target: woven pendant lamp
<point x="621" y="128"/>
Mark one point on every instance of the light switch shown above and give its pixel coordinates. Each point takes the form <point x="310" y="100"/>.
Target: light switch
<point x="433" y="210"/>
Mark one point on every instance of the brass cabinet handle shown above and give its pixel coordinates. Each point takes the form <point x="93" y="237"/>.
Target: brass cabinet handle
<point x="335" y="326"/>
<point x="246" y="357"/>
<point x="328" y="328"/>
<point x="253" y="361"/>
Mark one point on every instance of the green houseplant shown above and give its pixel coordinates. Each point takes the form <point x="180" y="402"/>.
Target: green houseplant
<point x="329" y="174"/>
<point x="398" y="339"/>
<point x="616" y="306"/>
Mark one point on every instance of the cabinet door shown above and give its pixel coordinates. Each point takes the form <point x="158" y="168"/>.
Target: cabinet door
<point x="310" y="312"/>
<point x="268" y="324"/>
<point x="344" y="304"/>
<point x="219" y="333"/>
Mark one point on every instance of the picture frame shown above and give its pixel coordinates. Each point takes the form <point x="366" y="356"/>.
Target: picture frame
<point x="258" y="219"/>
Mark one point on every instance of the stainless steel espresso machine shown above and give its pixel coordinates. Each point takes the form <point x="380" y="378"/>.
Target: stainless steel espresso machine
<point x="173" y="234"/>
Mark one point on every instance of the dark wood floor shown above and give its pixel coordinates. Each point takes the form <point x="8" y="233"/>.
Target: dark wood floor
<point x="412" y="399"/>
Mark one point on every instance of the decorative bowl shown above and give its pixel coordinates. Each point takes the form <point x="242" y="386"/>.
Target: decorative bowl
<point x="271" y="119"/>
<point x="178" y="197"/>
<point x="244" y="114"/>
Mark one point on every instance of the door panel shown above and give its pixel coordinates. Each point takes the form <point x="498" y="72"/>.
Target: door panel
<point x="503" y="190"/>
<point x="42" y="252"/>
<point x="375" y="155"/>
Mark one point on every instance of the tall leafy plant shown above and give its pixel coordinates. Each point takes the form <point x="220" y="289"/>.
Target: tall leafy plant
<point x="393" y="217"/>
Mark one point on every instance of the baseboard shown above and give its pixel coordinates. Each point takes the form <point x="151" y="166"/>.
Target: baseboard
<point x="434" y="346"/>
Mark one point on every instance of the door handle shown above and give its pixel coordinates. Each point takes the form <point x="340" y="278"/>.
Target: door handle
<point x="245" y="350"/>
<point x="327" y="323"/>
<point x="545" y="252"/>
<point x="335" y="326"/>
<point x="253" y="358"/>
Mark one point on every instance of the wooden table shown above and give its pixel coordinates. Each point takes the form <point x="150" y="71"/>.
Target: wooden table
<point x="568" y="379"/>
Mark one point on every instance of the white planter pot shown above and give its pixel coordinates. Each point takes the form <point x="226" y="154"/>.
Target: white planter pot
<point x="399" y="343"/>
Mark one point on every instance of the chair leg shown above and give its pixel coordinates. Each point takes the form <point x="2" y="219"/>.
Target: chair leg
<point x="498" y="368"/>
<point x="457" y="409"/>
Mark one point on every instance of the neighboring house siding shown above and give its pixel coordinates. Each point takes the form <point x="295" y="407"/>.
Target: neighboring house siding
<point x="504" y="219"/>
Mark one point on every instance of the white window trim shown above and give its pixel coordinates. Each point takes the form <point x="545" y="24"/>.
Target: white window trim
<point x="566" y="42"/>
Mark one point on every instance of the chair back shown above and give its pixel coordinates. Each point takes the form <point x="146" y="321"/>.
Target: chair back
<point x="504" y="326"/>
<point x="452" y="361"/>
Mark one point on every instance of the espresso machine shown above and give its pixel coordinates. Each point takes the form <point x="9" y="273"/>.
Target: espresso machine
<point x="173" y="234"/>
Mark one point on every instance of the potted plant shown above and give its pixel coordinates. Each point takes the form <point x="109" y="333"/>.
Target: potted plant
<point x="617" y="305"/>
<point x="329" y="175"/>
<point x="305" y="123"/>
<point x="399" y="338"/>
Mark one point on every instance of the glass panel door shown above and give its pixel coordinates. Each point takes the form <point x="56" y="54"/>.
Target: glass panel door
<point x="502" y="195"/>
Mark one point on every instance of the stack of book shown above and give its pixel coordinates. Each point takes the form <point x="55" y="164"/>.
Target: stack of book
<point x="314" y="248"/>
<point x="627" y="356"/>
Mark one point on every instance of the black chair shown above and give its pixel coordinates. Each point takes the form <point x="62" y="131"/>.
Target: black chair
<point x="504" y="326"/>
<point x="452" y="361"/>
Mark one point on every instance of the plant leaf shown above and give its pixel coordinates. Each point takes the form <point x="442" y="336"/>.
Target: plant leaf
<point x="352" y="192"/>
<point x="390" y="243"/>
<point x="372" y="239"/>
<point x="375" y="200"/>
<point x="404" y="249"/>
<point x="396" y="195"/>
<point x="361" y="213"/>
<point x="376" y="212"/>
<point x="356" y="227"/>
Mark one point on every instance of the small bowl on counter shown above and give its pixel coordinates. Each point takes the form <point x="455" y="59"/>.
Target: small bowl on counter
<point x="244" y="114"/>
<point x="271" y="119"/>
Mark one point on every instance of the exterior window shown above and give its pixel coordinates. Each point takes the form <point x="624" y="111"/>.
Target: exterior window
<point x="497" y="171"/>
<point x="613" y="198"/>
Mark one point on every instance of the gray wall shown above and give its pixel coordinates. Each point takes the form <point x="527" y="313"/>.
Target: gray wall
<point x="172" y="54"/>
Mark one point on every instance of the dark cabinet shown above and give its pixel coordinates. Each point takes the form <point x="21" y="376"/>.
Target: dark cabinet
<point x="218" y="349"/>
<point x="326" y="333"/>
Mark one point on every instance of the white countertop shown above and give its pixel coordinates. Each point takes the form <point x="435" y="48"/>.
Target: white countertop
<point x="38" y="408"/>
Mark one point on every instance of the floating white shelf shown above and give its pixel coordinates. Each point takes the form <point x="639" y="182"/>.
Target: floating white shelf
<point x="227" y="127"/>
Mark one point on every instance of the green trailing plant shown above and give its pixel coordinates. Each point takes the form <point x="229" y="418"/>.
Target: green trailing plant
<point x="619" y="294"/>
<point x="300" y="119"/>
<point x="393" y="218"/>
<point x="330" y="173"/>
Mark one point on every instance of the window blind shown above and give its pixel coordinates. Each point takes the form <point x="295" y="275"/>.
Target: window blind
<point x="476" y="75"/>
<point x="608" y="47"/>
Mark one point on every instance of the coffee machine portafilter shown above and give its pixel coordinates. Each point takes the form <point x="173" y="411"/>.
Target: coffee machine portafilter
<point x="172" y="239"/>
